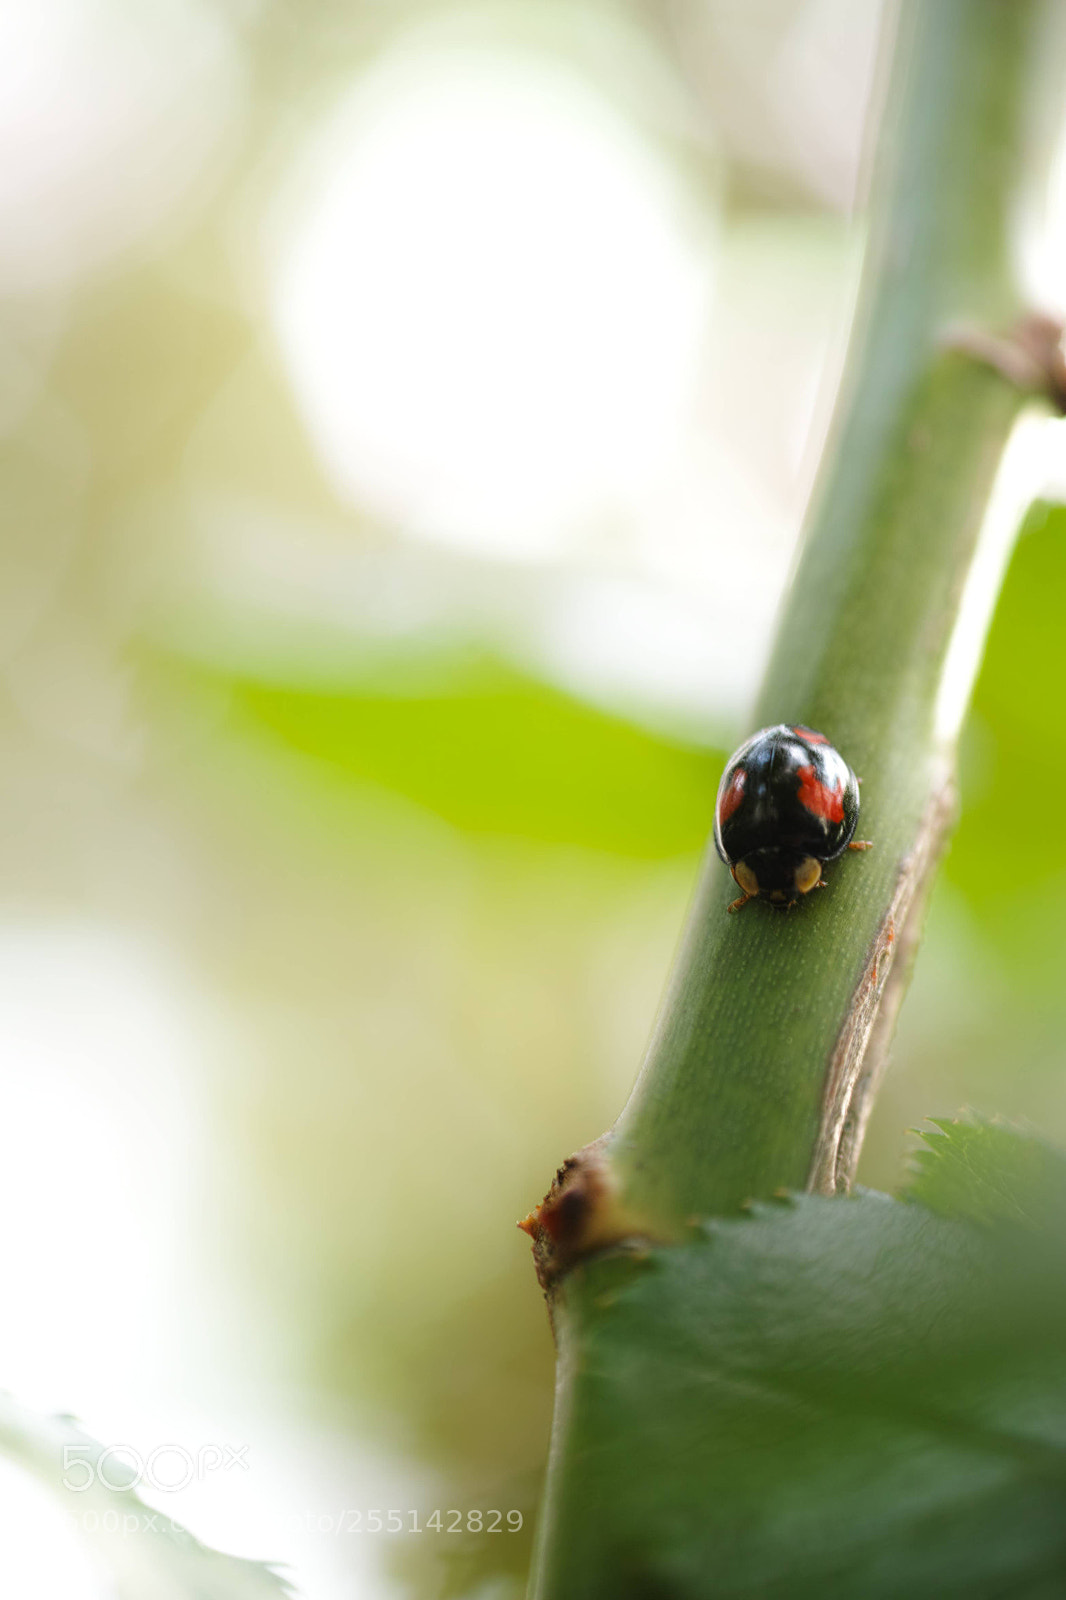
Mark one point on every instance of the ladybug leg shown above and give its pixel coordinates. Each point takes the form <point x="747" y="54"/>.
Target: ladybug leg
<point x="738" y="904"/>
<point x="861" y="844"/>
<point x="821" y="884"/>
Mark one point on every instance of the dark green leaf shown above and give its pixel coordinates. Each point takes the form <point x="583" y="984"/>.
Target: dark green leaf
<point x="841" y="1398"/>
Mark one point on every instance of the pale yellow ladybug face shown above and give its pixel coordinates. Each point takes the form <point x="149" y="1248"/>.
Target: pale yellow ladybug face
<point x="805" y="876"/>
<point x="808" y="874"/>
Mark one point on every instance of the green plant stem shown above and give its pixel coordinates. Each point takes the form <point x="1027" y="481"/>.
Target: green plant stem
<point x="757" y="1074"/>
<point x="764" y="1009"/>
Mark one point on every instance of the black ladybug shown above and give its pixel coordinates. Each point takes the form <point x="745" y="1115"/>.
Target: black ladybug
<point x="787" y="803"/>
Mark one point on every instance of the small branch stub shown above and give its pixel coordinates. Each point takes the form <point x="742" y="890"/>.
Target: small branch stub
<point x="580" y="1215"/>
<point x="1031" y="355"/>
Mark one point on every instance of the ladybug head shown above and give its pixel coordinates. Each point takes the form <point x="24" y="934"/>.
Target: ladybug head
<point x="778" y="874"/>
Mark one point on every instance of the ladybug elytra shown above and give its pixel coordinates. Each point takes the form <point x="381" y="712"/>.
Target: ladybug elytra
<point x="788" y="802"/>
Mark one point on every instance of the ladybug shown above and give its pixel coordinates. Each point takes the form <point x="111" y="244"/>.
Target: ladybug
<point x="787" y="803"/>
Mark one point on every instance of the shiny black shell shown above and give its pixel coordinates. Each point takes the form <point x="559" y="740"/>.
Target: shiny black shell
<point x="785" y="795"/>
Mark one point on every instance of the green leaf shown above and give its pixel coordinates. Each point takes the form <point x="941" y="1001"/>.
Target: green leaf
<point x="489" y="749"/>
<point x="1004" y="857"/>
<point x="989" y="1173"/>
<point x="143" y="1549"/>
<point x="839" y="1398"/>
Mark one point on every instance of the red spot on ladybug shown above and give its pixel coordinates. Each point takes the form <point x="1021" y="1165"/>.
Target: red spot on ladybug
<point x="733" y="795"/>
<point x="808" y="734"/>
<point x="818" y="798"/>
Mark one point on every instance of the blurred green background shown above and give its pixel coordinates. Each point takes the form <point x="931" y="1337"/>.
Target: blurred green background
<point x="407" y="417"/>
